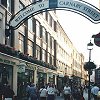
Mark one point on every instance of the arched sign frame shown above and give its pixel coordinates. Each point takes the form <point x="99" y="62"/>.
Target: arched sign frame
<point x="78" y="6"/>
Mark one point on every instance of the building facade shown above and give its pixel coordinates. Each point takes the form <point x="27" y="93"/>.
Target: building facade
<point x="38" y="51"/>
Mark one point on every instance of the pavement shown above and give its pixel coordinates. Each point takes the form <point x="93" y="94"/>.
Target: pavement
<point x="85" y="94"/>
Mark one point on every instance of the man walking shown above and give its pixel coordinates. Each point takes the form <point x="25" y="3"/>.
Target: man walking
<point x="95" y="91"/>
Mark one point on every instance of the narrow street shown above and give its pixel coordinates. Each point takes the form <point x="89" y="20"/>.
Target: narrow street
<point x="85" y="96"/>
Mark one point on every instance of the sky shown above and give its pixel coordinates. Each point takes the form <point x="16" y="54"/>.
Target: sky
<point x="80" y="30"/>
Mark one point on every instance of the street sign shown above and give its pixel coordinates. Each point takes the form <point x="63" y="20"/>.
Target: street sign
<point x="97" y="39"/>
<point x="78" y="6"/>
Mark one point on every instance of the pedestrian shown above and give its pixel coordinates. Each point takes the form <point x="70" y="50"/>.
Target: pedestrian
<point x="8" y="93"/>
<point x="95" y="89"/>
<point x="76" y="92"/>
<point x="27" y="90"/>
<point x="43" y="93"/>
<point x="51" y="92"/>
<point x="32" y="92"/>
<point x="67" y="92"/>
<point x="1" y="91"/>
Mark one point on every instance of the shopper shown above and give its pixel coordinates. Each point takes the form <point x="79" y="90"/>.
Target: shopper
<point x="43" y="93"/>
<point x="51" y="92"/>
<point x="32" y="92"/>
<point x="95" y="89"/>
<point x="8" y="93"/>
<point x="67" y="92"/>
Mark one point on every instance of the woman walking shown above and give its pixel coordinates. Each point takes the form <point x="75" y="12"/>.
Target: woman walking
<point x="43" y="93"/>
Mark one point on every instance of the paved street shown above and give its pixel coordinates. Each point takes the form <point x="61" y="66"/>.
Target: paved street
<point x="85" y="96"/>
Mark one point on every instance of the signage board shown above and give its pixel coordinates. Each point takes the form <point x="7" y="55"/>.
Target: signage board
<point x="78" y="6"/>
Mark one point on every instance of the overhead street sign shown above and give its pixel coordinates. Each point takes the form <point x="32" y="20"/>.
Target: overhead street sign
<point x="78" y="6"/>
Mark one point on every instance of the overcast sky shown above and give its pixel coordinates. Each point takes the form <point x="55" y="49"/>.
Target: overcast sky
<point x="79" y="29"/>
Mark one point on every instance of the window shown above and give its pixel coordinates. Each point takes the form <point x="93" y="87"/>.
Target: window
<point x="38" y="52"/>
<point x="48" y="59"/>
<point x="30" y="47"/>
<point x="52" y="43"/>
<point x="37" y="28"/>
<point x="43" y="55"/>
<point x="30" y="25"/>
<point x="21" y="42"/>
<point x="7" y="4"/>
<point x="31" y="36"/>
<point x="52" y="60"/>
<point x="44" y="34"/>
<point x="21" y="5"/>
<point x="48" y="39"/>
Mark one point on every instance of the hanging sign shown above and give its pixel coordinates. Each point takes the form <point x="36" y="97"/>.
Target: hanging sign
<point x="78" y="6"/>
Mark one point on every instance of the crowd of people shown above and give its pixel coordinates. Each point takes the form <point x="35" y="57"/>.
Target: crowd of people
<point x="47" y="92"/>
<point x="50" y="91"/>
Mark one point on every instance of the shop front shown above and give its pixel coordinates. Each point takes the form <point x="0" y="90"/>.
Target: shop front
<point x="6" y="74"/>
<point x="42" y="79"/>
<point x="25" y="75"/>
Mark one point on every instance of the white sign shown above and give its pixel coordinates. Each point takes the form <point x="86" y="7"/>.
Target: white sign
<point x="31" y="9"/>
<point x="81" y="7"/>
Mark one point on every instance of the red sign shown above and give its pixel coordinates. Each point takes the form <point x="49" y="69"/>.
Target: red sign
<point x="97" y="39"/>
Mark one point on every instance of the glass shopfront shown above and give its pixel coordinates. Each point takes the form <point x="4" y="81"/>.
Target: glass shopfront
<point x="42" y="79"/>
<point x="6" y="74"/>
<point x="23" y="79"/>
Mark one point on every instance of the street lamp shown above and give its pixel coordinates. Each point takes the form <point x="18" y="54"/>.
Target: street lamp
<point x="89" y="47"/>
<point x="89" y="66"/>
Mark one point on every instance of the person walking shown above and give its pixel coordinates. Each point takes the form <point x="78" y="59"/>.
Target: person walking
<point x="95" y="89"/>
<point x="76" y="92"/>
<point x="67" y="92"/>
<point x="8" y="93"/>
<point x="32" y="92"/>
<point x="43" y="93"/>
<point x="51" y="92"/>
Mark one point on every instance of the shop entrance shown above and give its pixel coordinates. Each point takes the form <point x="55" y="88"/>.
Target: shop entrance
<point x="6" y="73"/>
<point x="24" y="78"/>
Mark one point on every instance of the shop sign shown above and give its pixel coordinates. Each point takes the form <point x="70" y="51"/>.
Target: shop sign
<point x="6" y="61"/>
<point x="21" y="67"/>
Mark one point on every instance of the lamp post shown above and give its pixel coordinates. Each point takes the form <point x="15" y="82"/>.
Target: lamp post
<point x="89" y="47"/>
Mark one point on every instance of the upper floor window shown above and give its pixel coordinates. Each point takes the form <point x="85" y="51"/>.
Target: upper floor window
<point x="30" y="47"/>
<point x="38" y="52"/>
<point x="37" y="28"/>
<point x="44" y="34"/>
<point x="21" y="5"/>
<point x="48" y="39"/>
<point x="7" y="4"/>
<point x="21" y="42"/>
<point x="43" y="55"/>
<point x="30" y="25"/>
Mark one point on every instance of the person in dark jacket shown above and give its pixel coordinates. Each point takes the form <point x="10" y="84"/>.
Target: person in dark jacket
<point x="8" y="92"/>
<point x="32" y="92"/>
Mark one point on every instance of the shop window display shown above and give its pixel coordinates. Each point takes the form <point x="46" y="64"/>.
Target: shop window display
<point x="6" y="73"/>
